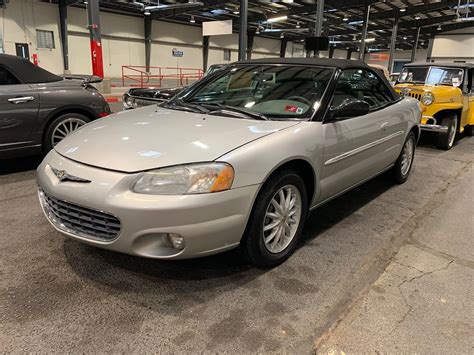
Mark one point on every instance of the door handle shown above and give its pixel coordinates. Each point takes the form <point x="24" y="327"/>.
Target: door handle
<point x="20" y="100"/>
<point x="384" y="126"/>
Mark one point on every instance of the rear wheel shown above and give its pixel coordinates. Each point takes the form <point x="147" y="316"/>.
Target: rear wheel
<point x="403" y="165"/>
<point x="61" y="127"/>
<point x="276" y="221"/>
<point x="446" y="140"/>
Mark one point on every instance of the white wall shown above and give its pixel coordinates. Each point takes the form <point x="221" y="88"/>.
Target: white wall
<point x="21" y="19"/>
<point x="399" y="55"/>
<point x="122" y="40"/>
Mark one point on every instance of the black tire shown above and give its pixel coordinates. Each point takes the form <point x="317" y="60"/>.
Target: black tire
<point x="252" y="246"/>
<point x="398" y="173"/>
<point x="48" y="136"/>
<point x="469" y="131"/>
<point x="446" y="140"/>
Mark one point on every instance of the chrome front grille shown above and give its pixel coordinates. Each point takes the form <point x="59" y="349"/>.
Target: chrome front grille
<point x="141" y="102"/>
<point x="410" y="94"/>
<point x="414" y="95"/>
<point x="81" y="221"/>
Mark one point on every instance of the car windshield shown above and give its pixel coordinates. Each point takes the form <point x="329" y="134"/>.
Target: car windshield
<point x="431" y="76"/>
<point x="265" y="91"/>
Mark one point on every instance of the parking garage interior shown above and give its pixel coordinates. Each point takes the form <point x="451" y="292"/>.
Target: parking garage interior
<point x="152" y="153"/>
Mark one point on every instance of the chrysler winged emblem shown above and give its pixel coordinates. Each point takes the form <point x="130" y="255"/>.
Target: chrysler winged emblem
<point x="62" y="175"/>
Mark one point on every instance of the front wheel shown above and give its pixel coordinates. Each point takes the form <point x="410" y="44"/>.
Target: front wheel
<point x="277" y="220"/>
<point x="403" y="165"/>
<point x="446" y="140"/>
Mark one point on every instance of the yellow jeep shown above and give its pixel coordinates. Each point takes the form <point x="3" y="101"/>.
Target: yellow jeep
<point x="446" y="95"/>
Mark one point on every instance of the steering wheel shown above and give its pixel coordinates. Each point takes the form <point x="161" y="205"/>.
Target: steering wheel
<point x="301" y="99"/>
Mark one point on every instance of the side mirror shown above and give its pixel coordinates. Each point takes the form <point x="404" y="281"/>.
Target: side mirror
<point x="349" y="108"/>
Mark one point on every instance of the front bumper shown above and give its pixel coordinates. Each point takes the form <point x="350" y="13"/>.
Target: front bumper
<point x="432" y="127"/>
<point x="209" y="223"/>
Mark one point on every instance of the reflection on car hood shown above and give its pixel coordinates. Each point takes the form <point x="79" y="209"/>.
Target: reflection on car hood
<point x="154" y="137"/>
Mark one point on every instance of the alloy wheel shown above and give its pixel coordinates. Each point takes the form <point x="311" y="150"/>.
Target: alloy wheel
<point x="65" y="128"/>
<point x="407" y="157"/>
<point x="452" y="132"/>
<point x="282" y="219"/>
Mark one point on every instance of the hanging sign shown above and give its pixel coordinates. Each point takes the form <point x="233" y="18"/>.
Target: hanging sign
<point x="214" y="28"/>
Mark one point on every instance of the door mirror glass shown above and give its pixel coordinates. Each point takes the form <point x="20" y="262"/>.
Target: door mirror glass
<point x="349" y="108"/>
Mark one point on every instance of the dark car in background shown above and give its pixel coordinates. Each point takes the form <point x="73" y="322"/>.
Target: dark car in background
<point x="138" y="97"/>
<point x="38" y="109"/>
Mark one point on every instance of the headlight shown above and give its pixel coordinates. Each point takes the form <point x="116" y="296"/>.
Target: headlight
<point x="128" y="101"/>
<point x="185" y="179"/>
<point x="427" y="98"/>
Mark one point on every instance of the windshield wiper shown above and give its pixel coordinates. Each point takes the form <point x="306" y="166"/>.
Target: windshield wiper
<point x="240" y="110"/>
<point x="186" y="106"/>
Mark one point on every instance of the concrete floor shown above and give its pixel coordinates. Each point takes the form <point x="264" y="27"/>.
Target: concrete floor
<point x="380" y="240"/>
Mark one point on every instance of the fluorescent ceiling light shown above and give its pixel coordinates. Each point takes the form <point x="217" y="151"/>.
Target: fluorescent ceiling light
<point x="173" y="6"/>
<point x="403" y="9"/>
<point x="345" y="18"/>
<point x="369" y="40"/>
<point x="277" y="19"/>
<point x="355" y="23"/>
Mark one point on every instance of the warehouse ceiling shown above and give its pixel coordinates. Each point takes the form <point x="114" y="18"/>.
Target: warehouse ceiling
<point x="342" y="18"/>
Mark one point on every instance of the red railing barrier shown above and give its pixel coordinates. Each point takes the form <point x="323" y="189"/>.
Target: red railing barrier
<point x="156" y="75"/>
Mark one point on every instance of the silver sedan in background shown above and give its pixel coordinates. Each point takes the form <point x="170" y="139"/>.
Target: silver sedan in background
<point x="236" y="160"/>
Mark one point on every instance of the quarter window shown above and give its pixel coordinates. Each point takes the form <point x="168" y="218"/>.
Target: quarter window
<point x="6" y="78"/>
<point x="364" y="85"/>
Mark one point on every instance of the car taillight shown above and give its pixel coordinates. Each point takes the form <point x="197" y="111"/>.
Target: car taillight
<point x="103" y="114"/>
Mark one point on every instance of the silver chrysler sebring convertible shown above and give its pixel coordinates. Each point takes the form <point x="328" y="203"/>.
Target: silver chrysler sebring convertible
<point x="235" y="160"/>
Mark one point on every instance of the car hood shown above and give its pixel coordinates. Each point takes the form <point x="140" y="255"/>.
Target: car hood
<point x="154" y="137"/>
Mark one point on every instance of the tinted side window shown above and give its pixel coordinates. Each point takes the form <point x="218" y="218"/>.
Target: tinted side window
<point x="6" y="78"/>
<point x="364" y="85"/>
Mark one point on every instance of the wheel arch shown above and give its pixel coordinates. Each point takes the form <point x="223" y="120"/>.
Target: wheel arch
<point x="64" y="110"/>
<point x="304" y="168"/>
<point x="442" y="113"/>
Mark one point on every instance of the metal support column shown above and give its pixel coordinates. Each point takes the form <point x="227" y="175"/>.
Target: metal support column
<point x="205" y="52"/>
<point x="283" y="43"/>
<point x="250" y="40"/>
<point x="63" y="32"/>
<point x="148" y="26"/>
<point x="364" y="31"/>
<point x="393" y="41"/>
<point x="243" y="29"/>
<point x="430" y="44"/>
<point x="349" y="53"/>
<point x="319" y="21"/>
<point x="331" y="51"/>
<point x="93" y="20"/>
<point x="415" y="44"/>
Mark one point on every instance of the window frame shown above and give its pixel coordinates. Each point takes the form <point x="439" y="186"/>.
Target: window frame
<point x="395" y="98"/>
<point x="53" y="42"/>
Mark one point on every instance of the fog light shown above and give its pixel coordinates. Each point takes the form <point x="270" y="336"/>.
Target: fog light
<point x="176" y="241"/>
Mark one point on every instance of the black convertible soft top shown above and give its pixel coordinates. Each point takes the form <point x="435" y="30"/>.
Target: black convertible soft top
<point x="26" y="71"/>
<point x="323" y="62"/>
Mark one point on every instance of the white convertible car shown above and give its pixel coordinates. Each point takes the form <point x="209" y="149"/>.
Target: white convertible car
<point x="234" y="161"/>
